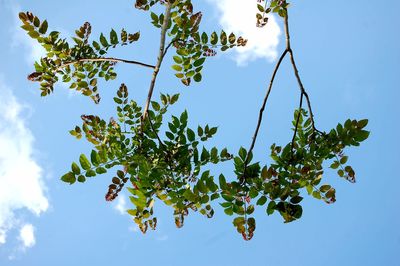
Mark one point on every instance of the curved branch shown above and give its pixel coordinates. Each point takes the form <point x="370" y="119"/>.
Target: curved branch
<point x="260" y="116"/>
<point x="302" y="90"/>
<point x="296" y="73"/>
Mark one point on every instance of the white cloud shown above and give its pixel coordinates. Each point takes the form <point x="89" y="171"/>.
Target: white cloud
<point x="238" y="16"/>
<point x="121" y="205"/>
<point x="21" y="178"/>
<point x="27" y="235"/>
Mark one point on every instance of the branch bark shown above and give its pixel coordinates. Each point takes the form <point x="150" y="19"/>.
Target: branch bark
<point x="161" y="54"/>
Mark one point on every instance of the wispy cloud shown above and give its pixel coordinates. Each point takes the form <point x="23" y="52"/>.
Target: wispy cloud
<point x="120" y="206"/>
<point x="238" y="16"/>
<point x="27" y="235"/>
<point x="21" y="177"/>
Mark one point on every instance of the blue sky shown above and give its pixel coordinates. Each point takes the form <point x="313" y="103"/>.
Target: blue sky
<point x="348" y="56"/>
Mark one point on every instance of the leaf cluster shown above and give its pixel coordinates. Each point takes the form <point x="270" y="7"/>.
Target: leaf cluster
<point x="264" y="7"/>
<point x="80" y="63"/>
<point x="169" y="170"/>
<point x="192" y="46"/>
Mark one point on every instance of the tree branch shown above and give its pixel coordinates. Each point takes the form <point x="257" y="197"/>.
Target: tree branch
<point x="160" y="58"/>
<point x="302" y="91"/>
<point x="105" y="59"/>
<point x="296" y="73"/>
<point x="260" y="116"/>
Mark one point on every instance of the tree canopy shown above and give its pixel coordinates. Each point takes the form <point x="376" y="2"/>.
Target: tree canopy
<point x="157" y="157"/>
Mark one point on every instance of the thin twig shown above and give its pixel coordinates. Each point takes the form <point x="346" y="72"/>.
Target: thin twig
<point x="155" y="132"/>
<point x="260" y="116"/>
<point x="105" y="59"/>
<point x="168" y="46"/>
<point x="160" y="58"/>
<point x="302" y="90"/>
<point x="296" y="73"/>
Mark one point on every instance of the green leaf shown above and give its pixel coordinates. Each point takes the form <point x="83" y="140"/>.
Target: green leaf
<point x="113" y="37"/>
<point x="184" y="117"/>
<point x="190" y="134"/>
<point x="199" y="131"/>
<point x="232" y="38"/>
<point x="262" y="200"/>
<point x="310" y="189"/>
<point x="85" y="164"/>
<point x="296" y="199"/>
<point x="43" y="27"/>
<point x="156" y="106"/>
<point x="197" y="77"/>
<point x="189" y="195"/>
<point x="138" y="202"/>
<point x="36" y="21"/>
<point x="83" y="84"/>
<point x="222" y="182"/>
<point x="90" y="173"/>
<point x="201" y="186"/>
<point x="199" y="62"/>
<point x="154" y="17"/>
<point x="335" y="165"/>
<point x="69" y="178"/>
<point x="176" y="67"/>
<point x="250" y="209"/>
<point x="214" y="38"/>
<point x="101" y="170"/>
<point x="264" y="172"/>
<point x="362" y="135"/>
<point x="205" y="155"/>
<point x="242" y="153"/>
<point x="223" y="38"/>
<point x="76" y="169"/>
<point x="204" y="37"/>
<point x="169" y="135"/>
<point x="229" y="211"/>
<point x="362" y="123"/>
<point x="324" y="188"/>
<point x="271" y="207"/>
<point x="178" y="59"/>
<point x="344" y="159"/>
<point x="103" y="40"/>
<point x="174" y="98"/>
<point x="33" y="34"/>
<point x="81" y="179"/>
<point x="95" y="158"/>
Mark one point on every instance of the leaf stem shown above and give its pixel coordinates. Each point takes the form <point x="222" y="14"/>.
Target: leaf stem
<point x="297" y="122"/>
<point x="105" y="59"/>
